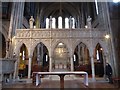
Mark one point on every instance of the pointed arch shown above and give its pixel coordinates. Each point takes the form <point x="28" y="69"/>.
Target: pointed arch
<point x="39" y="62"/>
<point x="82" y="62"/>
<point x="60" y="41"/>
<point x="99" y="60"/>
<point x="35" y="44"/>
<point x="18" y="46"/>
<point x="80" y="41"/>
<point x="98" y="51"/>
<point x="23" y="61"/>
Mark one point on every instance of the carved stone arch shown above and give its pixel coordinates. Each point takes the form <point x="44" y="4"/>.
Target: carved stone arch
<point x="35" y="43"/>
<point x="102" y="44"/>
<point x="80" y="41"/>
<point x="18" y="46"/>
<point x="60" y="41"/>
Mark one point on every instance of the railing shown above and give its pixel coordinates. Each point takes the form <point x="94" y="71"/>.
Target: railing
<point x="60" y="33"/>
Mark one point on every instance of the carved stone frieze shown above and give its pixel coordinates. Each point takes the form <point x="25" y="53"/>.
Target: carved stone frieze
<point x="50" y="38"/>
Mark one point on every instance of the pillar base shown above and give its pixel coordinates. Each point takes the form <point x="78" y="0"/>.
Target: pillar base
<point x="93" y="80"/>
<point x="29" y="81"/>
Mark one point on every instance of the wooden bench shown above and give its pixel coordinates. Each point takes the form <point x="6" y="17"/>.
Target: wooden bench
<point x="61" y="75"/>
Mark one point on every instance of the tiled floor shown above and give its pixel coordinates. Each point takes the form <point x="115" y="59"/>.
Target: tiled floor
<point x="69" y="83"/>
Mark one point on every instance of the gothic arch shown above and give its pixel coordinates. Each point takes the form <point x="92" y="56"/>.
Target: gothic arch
<point x="36" y="43"/>
<point x="80" y="41"/>
<point x="102" y="44"/>
<point x="60" y="41"/>
<point x="99" y="60"/>
<point x="18" y="46"/>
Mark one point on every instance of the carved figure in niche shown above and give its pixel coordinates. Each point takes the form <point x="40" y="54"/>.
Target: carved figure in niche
<point x="89" y="19"/>
<point x="31" y="21"/>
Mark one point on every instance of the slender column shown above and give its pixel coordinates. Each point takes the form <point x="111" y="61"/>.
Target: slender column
<point x="93" y="68"/>
<point x="104" y="60"/>
<point x="83" y="54"/>
<point x="38" y="54"/>
<point x="79" y="53"/>
<point x="7" y="48"/>
<point x="78" y="24"/>
<point x="72" y="65"/>
<point x="21" y="11"/>
<point x="82" y="15"/>
<point x="41" y="55"/>
<point x="56" y="22"/>
<point x="70" y="22"/>
<point x="29" y="66"/>
<point x="10" y="29"/>
<point x="50" y="64"/>
<point x="15" y="22"/>
<point x="15" y="72"/>
<point x="50" y="22"/>
<point x="86" y="56"/>
<point x="63" y="20"/>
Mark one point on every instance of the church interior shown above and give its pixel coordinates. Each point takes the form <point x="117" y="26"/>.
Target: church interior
<point x="64" y="36"/>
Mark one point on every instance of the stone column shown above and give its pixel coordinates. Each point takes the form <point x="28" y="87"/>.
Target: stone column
<point x="41" y="58"/>
<point x="50" y="64"/>
<point x="72" y="65"/>
<point x="92" y="56"/>
<point x="63" y="20"/>
<point x="16" y="66"/>
<point x="83" y="54"/>
<point x="11" y="29"/>
<point x="16" y="70"/>
<point x="15" y="22"/>
<point x="82" y="15"/>
<point x="50" y="22"/>
<point x="104" y="61"/>
<point x="38" y="54"/>
<point x="79" y="54"/>
<point x="93" y="68"/>
<point x="78" y="24"/>
<point x="70" y="22"/>
<point x="29" y="66"/>
<point x="7" y="48"/>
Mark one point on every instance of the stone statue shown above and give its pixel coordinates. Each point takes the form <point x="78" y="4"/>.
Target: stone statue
<point x="89" y="22"/>
<point x="31" y="21"/>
